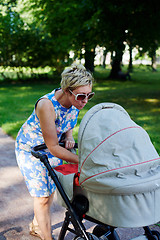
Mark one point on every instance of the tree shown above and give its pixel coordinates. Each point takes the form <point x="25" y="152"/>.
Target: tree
<point x="49" y="29"/>
<point x="134" y="22"/>
<point x="72" y="26"/>
<point x="144" y="28"/>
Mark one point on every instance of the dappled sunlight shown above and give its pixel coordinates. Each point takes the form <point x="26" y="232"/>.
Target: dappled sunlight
<point x="26" y="88"/>
<point x="155" y="110"/>
<point x="31" y="106"/>
<point x="7" y="181"/>
<point x="103" y="88"/>
<point x="145" y="100"/>
<point x="144" y="118"/>
<point x="152" y="100"/>
<point x="14" y="196"/>
<point x="11" y="127"/>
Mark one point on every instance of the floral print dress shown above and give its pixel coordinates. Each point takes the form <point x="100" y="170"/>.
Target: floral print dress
<point x="36" y="176"/>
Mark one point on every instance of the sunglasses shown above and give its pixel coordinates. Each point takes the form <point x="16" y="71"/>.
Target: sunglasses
<point x="82" y="96"/>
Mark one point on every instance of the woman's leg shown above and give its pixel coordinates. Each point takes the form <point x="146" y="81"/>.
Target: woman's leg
<point x="37" y="180"/>
<point x="42" y="216"/>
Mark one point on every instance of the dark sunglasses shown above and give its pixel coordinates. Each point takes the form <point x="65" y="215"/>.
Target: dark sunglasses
<point x="82" y="96"/>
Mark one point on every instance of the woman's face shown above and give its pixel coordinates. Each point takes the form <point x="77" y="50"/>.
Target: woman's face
<point x="73" y="97"/>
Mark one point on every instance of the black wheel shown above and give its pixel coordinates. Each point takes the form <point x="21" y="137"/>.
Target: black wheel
<point x="156" y="234"/>
<point x="100" y="230"/>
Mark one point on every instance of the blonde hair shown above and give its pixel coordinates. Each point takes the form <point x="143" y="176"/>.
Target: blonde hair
<point x="75" y="76"/>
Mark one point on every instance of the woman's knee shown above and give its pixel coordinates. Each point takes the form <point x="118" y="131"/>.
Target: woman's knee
<point x="43" y="201"/>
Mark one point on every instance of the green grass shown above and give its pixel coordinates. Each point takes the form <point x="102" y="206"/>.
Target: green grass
<point x="140" y="97"/>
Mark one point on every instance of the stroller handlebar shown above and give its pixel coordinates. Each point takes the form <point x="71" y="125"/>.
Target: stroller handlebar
<point x="36" y="150"/>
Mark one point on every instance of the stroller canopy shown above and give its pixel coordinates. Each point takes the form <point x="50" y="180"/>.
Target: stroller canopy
<point x="119" y="168"/>
<point x="116" y="155"/>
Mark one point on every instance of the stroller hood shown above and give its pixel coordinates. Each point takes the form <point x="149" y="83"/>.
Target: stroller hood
<point x="119" y="169"/>
<point x="116" y="155"/>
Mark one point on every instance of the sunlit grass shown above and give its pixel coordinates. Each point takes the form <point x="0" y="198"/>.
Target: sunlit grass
<point x="10" y="127"/>
<point x="14" y="73"/>
<point x="140" y="97"/>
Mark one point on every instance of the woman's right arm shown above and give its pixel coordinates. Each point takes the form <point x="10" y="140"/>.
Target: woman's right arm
<point x="46" y="114"/>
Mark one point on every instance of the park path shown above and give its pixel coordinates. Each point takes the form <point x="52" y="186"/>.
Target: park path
<point x="16" y="206"/>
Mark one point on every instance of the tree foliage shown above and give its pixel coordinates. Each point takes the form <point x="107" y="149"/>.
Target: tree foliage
<point x="42" y="32"/>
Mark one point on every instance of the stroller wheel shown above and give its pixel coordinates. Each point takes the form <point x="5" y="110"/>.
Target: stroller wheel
<point x="100" y="230"/>
<point x="156" y="234"/>
<point x="80" y="204"/>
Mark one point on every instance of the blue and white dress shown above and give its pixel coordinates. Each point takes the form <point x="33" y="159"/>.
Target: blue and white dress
<point x="35" y="173"/>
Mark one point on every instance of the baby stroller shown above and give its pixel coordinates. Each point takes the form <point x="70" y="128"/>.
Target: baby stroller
<point x="117" y="181"/>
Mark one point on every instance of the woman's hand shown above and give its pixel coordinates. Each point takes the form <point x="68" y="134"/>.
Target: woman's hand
<point x="69" y="142"/>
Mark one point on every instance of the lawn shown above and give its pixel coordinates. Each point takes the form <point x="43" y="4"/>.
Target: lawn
<point x="140" y="97"/>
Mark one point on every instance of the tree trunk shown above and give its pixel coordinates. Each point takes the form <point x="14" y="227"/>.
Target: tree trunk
<point x="111" y="60"/>
<point x="154" y="64"/>
<point x="152" y="54"/>
<point x="104" y="58"/>
<point x="89" y="59"/>
<point x="116" y="68"/>
<point x="130" y="66"/>
<point x="116" y="72"/>
<point x="116" y="65"/>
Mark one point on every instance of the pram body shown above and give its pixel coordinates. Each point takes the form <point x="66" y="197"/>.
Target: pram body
<point x="119" y="169"/>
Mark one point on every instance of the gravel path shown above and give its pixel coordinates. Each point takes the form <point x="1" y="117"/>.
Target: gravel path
<point x="16" y="206"/>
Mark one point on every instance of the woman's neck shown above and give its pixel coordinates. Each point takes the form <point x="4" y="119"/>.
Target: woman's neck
<point x="62" y="98"/>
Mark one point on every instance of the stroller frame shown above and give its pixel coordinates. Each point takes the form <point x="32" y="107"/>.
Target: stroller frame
<point x="75" y="217"/>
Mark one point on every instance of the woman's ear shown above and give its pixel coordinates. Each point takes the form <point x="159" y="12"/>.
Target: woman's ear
<point x="66" y="91"/>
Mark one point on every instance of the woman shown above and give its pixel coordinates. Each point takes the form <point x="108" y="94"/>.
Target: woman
<point x="54" y="114"/>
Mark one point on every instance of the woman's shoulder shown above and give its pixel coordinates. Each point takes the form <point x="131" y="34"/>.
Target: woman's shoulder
<point x="48" y="96"/>
<point x="51" y="96"/>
